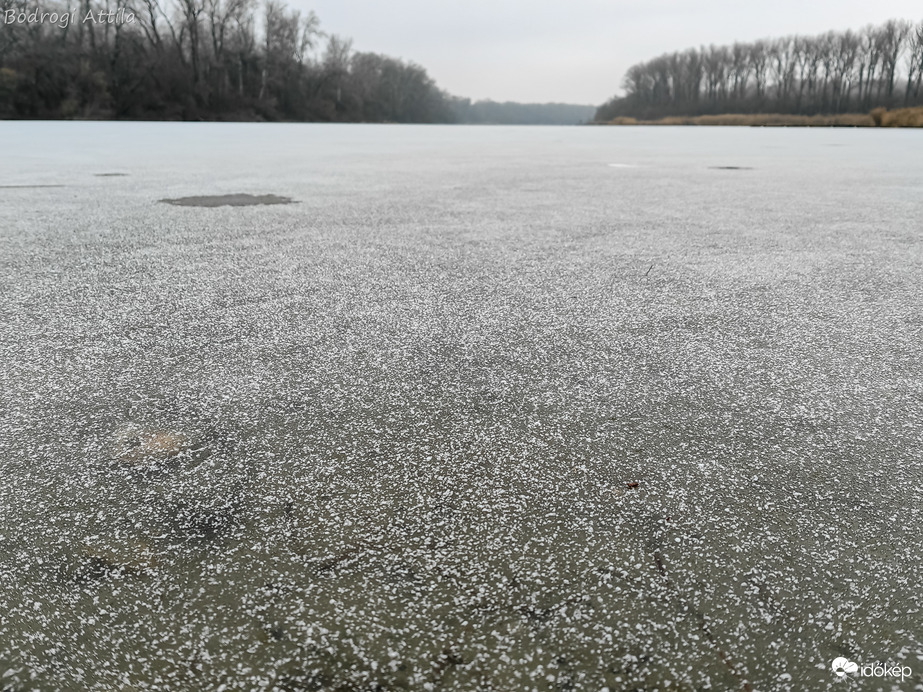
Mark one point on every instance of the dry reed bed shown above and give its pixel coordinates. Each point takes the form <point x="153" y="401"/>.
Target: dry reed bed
<point x="880" y="117"/>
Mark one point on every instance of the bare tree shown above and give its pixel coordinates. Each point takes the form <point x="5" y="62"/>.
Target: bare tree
<point x="222" y="17"/>
<point x="894" y="35"/>
<point x="740" y="70"/>
<point x="782" y="66"/>
<point x="288" y="37"/>
<point x="914" y="62"/>
<point x="844" y="50"/>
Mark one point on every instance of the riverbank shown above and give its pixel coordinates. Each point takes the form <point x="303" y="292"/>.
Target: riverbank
<point x="902" y="117"/>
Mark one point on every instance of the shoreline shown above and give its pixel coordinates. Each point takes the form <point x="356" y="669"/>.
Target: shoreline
<point x="902" y="117"/>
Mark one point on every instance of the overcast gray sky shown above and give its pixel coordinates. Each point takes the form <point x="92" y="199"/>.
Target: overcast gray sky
<point x="576" y="51"/>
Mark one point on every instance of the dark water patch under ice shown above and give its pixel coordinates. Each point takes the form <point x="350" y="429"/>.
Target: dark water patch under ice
<point x="235" y="200"/>
<point x="25" y="187"/>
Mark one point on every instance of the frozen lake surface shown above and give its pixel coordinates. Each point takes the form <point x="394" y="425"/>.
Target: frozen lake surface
<point x="484" y="409"/>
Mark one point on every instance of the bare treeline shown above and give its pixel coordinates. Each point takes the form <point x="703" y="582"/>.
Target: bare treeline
<point x="836" y="72"/>
<point x="198" y="59"/>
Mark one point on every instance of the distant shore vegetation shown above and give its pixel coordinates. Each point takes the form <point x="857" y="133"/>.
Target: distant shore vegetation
<point x="854" y="78"/>
<point x="203" y="60"/>
<point x="218" y="60"/>
<point x="259" y="60"/>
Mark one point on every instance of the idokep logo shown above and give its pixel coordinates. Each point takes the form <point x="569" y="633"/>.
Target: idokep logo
<point x="843" y="666"/>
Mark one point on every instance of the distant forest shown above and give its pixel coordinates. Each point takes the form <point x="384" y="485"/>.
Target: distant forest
<point x="202" y="59"/>
<point x="836" y="72"/>
<point x="218" y="60"/>
<point x="508" y="113"/>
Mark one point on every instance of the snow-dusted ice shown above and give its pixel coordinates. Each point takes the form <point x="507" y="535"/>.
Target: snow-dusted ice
<point x="479" y="410"/>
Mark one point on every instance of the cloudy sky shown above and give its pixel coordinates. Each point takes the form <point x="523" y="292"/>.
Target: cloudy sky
<point x="574" y="51"/>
